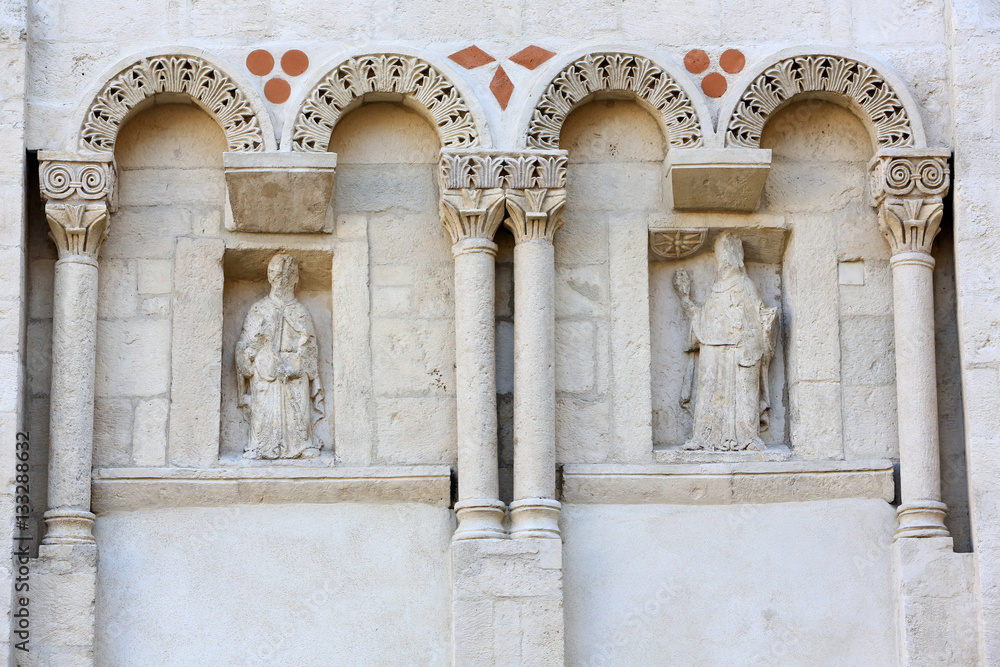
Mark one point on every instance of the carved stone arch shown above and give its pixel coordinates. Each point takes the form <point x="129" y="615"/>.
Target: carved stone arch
<point x="886" y="109"/>
<point x="179" y="74"/>
<point x="387" y="73"/>
<point x="597" y="73"/>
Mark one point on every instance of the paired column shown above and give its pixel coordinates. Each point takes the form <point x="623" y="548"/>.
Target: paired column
<point x="908" y="186"/>
<point x="472" y="208"/>
<point x="76" y="190"/>
<point x="535" y="204"/>
<point x="478" y="188"/>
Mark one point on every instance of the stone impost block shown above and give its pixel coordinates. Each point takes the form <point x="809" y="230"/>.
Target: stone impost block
<point x="727" y="179"/>
<point x="280" y="192"/>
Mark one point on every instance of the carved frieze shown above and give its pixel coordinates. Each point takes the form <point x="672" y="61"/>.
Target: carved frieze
<point x="615" y="72"/>
<point x="907" y="188"/>
<point x="858" y="82"/>
<point x="383" y="73"/>
<point x="189" y="75"/>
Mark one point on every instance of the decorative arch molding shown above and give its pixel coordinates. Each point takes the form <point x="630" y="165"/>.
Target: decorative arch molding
<point x="874" y="94"/>
<point x="388" y="73"/>
<point x="190" y="75"/>
<point x="613" y="72"/>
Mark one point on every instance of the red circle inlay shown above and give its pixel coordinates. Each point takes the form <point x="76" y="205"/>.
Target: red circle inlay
<point x="260" y="62"/>
<point x="732" y="61"/>
<point x="277" y="91"/>
<point x="696" y="61"/>
<point x="294" y="62"/>
<point x="714" y="85"/>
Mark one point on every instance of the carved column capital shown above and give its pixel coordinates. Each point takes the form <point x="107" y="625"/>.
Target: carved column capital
<point x="476" y="184"/>
<point x="907" y="188"/>
<point x="77" y="190"/>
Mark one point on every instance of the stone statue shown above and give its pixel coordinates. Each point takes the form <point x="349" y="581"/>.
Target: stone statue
<point x="277" y="365"/>
<point x="732" y="337"/>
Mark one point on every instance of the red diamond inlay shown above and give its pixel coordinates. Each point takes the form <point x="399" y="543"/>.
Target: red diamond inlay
<point x="501" y="87"/>
<point x="471" y="57"/>
<point x="531" y="57"/>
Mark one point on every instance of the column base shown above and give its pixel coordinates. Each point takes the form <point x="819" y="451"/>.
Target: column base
<point x="535" y="517"/>
<point x="924" y="518"/>
<point x="68" y="526"/>
<point x="479" y="519"/>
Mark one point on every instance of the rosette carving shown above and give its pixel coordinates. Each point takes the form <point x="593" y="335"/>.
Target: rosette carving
<point x="190" y="75"/>
<point x="614" y="72"/>
<point x="856" y="81"/>
<point x="383" y="73"/>
<point x="908" y="191"/>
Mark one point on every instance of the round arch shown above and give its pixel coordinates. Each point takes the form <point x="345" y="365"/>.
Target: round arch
<point x="613" y="73"/>
<point x="407" y="78"/>
<point x="842" y="76"/>
<point x="135" y="82"/>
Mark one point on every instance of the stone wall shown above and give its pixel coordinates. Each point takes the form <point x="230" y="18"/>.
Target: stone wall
<point x="666" y="555"/>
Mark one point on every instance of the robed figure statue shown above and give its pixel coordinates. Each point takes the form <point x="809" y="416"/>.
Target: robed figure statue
<point x="731" y="335"/>
<point x="277" y="365"/>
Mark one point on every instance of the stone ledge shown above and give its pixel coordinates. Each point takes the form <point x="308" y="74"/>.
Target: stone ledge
<point x="727" y="483"/>
<point x="677" y="454"/>
<point x="727" y="179"/>
<point x="156" y="488"/>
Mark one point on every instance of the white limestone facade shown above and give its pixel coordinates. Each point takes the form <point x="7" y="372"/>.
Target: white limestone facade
<point x="504" y="221"/>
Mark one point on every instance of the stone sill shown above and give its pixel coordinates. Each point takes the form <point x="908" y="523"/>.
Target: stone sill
<point x="116" y="489"/>
<point x="677" y="454"/>
<point x="727" y="483"/>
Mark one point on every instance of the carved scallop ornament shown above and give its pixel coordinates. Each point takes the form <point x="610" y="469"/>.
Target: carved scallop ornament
<point x="189" y="75"/>
<point x="614" y="72"/>
<point x="858" y="82"/>
<point x="383" y="73"/>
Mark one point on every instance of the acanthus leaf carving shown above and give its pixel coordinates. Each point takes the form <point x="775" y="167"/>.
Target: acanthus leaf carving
<point x="599" y="72"/>
<point x="78" y="229"/>
<point x="908" y="191"/>
<point x="383" y="73"/>
<point x="189" y="75"/>
<point x="820" y="73"/>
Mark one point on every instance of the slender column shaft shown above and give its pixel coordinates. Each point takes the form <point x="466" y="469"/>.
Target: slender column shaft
<point x="921" y="512"/>
<point x="534" y="370"/>
<point x="908" y="186"/>
<point x="480" y="513"/>
<point x="76" y="189"/>
<point x="71" y="422"/>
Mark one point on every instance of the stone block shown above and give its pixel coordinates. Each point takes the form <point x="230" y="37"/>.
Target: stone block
<point x="116" y="291"/>
<point x="149" y="432"/>
<point x="582" y="238"/>
<point x="153" y="276"/>
<point x="414" y="239"/>
<point x="196" y="354"/>
<point x="153" y="187"/>
<point x="412" y="358"/>
<point x="816" y="420"/>
<point x="392" y="301"/>
<point x="618" y="187"/>
<point x="155" y="306"/>
<point x="112" y="432"/>
<point x="11" y="317"/>
<point x="581" y="291"/>
<point x="582" y="430"/>
<point x="12" y="267"/>
<point x="870" y="422"/>
<point x="41" y="276"/>
<point x="383" y="188"/>
<point x="717" y="179"/>
<point x="576" y="350"/>
<point x="980" y="391"/>
<point x="138" y="231"/>
<point x="133" y="357"/>
<point x="416" y="430"/>
<point x="867" y="350"/>
<point x="874" y="297"/>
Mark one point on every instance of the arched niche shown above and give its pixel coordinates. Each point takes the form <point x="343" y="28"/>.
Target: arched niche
<point x="844" y="77"/>
<point x="175" y="77"/>
<point x="393" y="77"/>
<point x="611" y="75"/>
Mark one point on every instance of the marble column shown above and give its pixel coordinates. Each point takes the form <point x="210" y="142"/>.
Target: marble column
<point x="908" y="186"/>
<point x="76" y="190"/>
<point x="535" y="201"/>
<point x="472" y="208"/>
